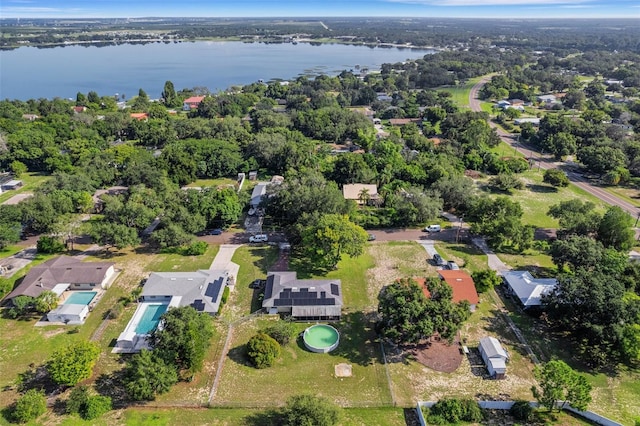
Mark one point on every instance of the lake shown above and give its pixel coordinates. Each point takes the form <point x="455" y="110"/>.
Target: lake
<point x="29" y="72"/>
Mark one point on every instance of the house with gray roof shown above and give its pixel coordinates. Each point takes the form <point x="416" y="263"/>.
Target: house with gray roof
<point x="526" y="289"/>
<point x="201" y="289"/>
<point x="258" y="193"/>
<point x="302" y="299"/>
<point x="64" y="273"/>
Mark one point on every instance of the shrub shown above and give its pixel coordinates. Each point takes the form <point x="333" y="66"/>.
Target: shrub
<point x="262" y="350"/>
<point x="309" y="410"/>
<point x="115" y="311"/>
<point x="506" y="182"/>
<point x="555" y="177"/>
<point x="73" y="363"/>
<point x="521" y="410"/>
<point x="95" y="407"/>
<point x="196" y="248"/>
<point x="485" y="280"/>
<point x="455" y="410"/>
<point x="49" y="245"/>
<point x="225" y="295"/>
<point x="77" y="399"/>
<point x="30" y="406"/>
<point x="281" y="332"/>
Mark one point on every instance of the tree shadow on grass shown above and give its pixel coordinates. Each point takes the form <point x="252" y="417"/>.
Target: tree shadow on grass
<point x="112" y="385"/>
<point x="7" y="413"/>
<point x="304" y="267"/>
<point x="270" y="417"/>
<point x="358" y="339"/>
<point x="239" y="355"/>
<point x="542" y="189"/>
<point x="37" y="377"/>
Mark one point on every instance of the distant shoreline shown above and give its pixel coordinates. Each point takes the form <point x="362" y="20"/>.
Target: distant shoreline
<point x="117" y="42"/>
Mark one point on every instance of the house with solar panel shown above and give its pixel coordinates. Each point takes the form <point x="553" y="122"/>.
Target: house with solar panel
<point x="302" y="300"/>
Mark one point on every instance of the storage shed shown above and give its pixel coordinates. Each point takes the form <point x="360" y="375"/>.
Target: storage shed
<point x="69" y="314"/>
<point x="494" y="356"/>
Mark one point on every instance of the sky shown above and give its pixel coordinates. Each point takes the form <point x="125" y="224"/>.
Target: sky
<point x="320" y="8"/>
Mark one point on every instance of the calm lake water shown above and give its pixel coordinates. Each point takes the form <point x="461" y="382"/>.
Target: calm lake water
<point x="29" y="72"/>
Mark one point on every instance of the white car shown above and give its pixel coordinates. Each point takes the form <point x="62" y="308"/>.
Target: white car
<point x="433" y="228"/>
<point x="260" y="238"/>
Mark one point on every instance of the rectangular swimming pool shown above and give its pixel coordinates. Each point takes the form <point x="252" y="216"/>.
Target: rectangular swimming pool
<point x="80" y="298"/>
<point x="150" y="318"/>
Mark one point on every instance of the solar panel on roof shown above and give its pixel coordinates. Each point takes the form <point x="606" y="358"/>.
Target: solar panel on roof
<point x="335" y="290"/>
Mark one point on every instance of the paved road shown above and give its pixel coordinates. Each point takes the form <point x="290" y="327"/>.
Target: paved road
<point x="547" y="163"/>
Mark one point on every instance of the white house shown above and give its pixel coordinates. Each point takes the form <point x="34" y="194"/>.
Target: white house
<point x="527" y="289"/>
<point x="494" y="356"/>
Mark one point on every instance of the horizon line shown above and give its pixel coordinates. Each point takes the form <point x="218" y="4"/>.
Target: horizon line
<point x="333" y="16"/>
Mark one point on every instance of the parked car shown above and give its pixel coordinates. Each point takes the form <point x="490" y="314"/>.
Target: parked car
<point x="260" y="238"/>
<point x="371" y="237"/>
<point x="215" y="232"/>
<point x="433" y="228"/>
<point x="438" y="260"/>
<point x="452" y="265"/>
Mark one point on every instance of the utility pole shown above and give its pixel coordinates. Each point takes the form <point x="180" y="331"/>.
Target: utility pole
<point x="460" y="228"/>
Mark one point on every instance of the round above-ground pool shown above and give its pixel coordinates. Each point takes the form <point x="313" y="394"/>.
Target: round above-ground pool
<point x="321" y="338"/>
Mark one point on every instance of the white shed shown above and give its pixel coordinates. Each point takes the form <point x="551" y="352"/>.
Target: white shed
<point x="69" y="314"/>
<point x="494" y="356"/>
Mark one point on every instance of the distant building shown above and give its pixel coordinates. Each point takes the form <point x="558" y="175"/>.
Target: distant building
<point x="258" y="194"/>
<point x="532" y="120"/>
<point x="62" y="273"/>
<point x="140" y="116"/>
<point x="11" y="185"/>
<point x="30" y="117"/>
<point x="547" y="99"/>
<point x="360" y="192"/>
<point x="192" y="103"/>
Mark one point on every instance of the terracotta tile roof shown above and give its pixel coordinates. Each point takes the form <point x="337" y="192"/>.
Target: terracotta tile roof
<point x="139" y="115"/>
<point x="194" y="100"/>
<point x="461" y="283"/>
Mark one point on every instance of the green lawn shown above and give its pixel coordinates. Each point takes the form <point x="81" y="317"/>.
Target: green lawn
<point x="30" y="180"/>
<point x="467" y="256"/>
<point x="245" y="416"/>
<point x="460" y="94"/>
<point x="538" y="196"/>
<point x="173" y="262"/>
<point x="205" y="183"/>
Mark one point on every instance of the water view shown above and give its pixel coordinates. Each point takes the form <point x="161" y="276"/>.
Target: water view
<point x="29" y="72"/>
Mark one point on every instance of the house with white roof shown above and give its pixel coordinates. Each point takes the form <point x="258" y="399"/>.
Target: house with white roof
<point x="528" y="290"/>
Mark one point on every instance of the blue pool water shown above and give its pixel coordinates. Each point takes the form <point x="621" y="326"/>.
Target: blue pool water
<point x="150" y="318"/>
<point x="80" y="298"/>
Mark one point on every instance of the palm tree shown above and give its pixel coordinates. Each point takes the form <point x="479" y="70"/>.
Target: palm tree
<point x="364" y="196"/>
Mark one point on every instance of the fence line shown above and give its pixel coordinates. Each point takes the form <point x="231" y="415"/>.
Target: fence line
<point x="386" y="370"/>
<point x="506" y="405"/>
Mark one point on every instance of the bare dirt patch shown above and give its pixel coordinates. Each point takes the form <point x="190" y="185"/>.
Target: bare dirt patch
<point x="438" y="355"/>
<point x="343" y="370"/>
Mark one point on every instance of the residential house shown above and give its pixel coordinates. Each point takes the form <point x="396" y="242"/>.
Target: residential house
<point x="361" y="193"/>
<point x="79" y="109"/>
<point x="547" y="99"/>
<point x="303" y="300"/>
<point x="30" y="117"/>
<point x="140" y="116"/>
<point x="64" y="273"/>
<point x="526" y="289"/>
<point x="460" y="282"/>
<point x="494" y="356"/>
<point x="258" y="194"/>
<point x="201" y="289"/>
<point x="11" y="185"/>
<point x="533" y="120"/>
<point x="404" y="121"/>
<point x="192" y="103"/>
<point x="503" y="104"/>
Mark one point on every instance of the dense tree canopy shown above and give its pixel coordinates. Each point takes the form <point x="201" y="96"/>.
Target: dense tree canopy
<point x="73" y="363"/>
